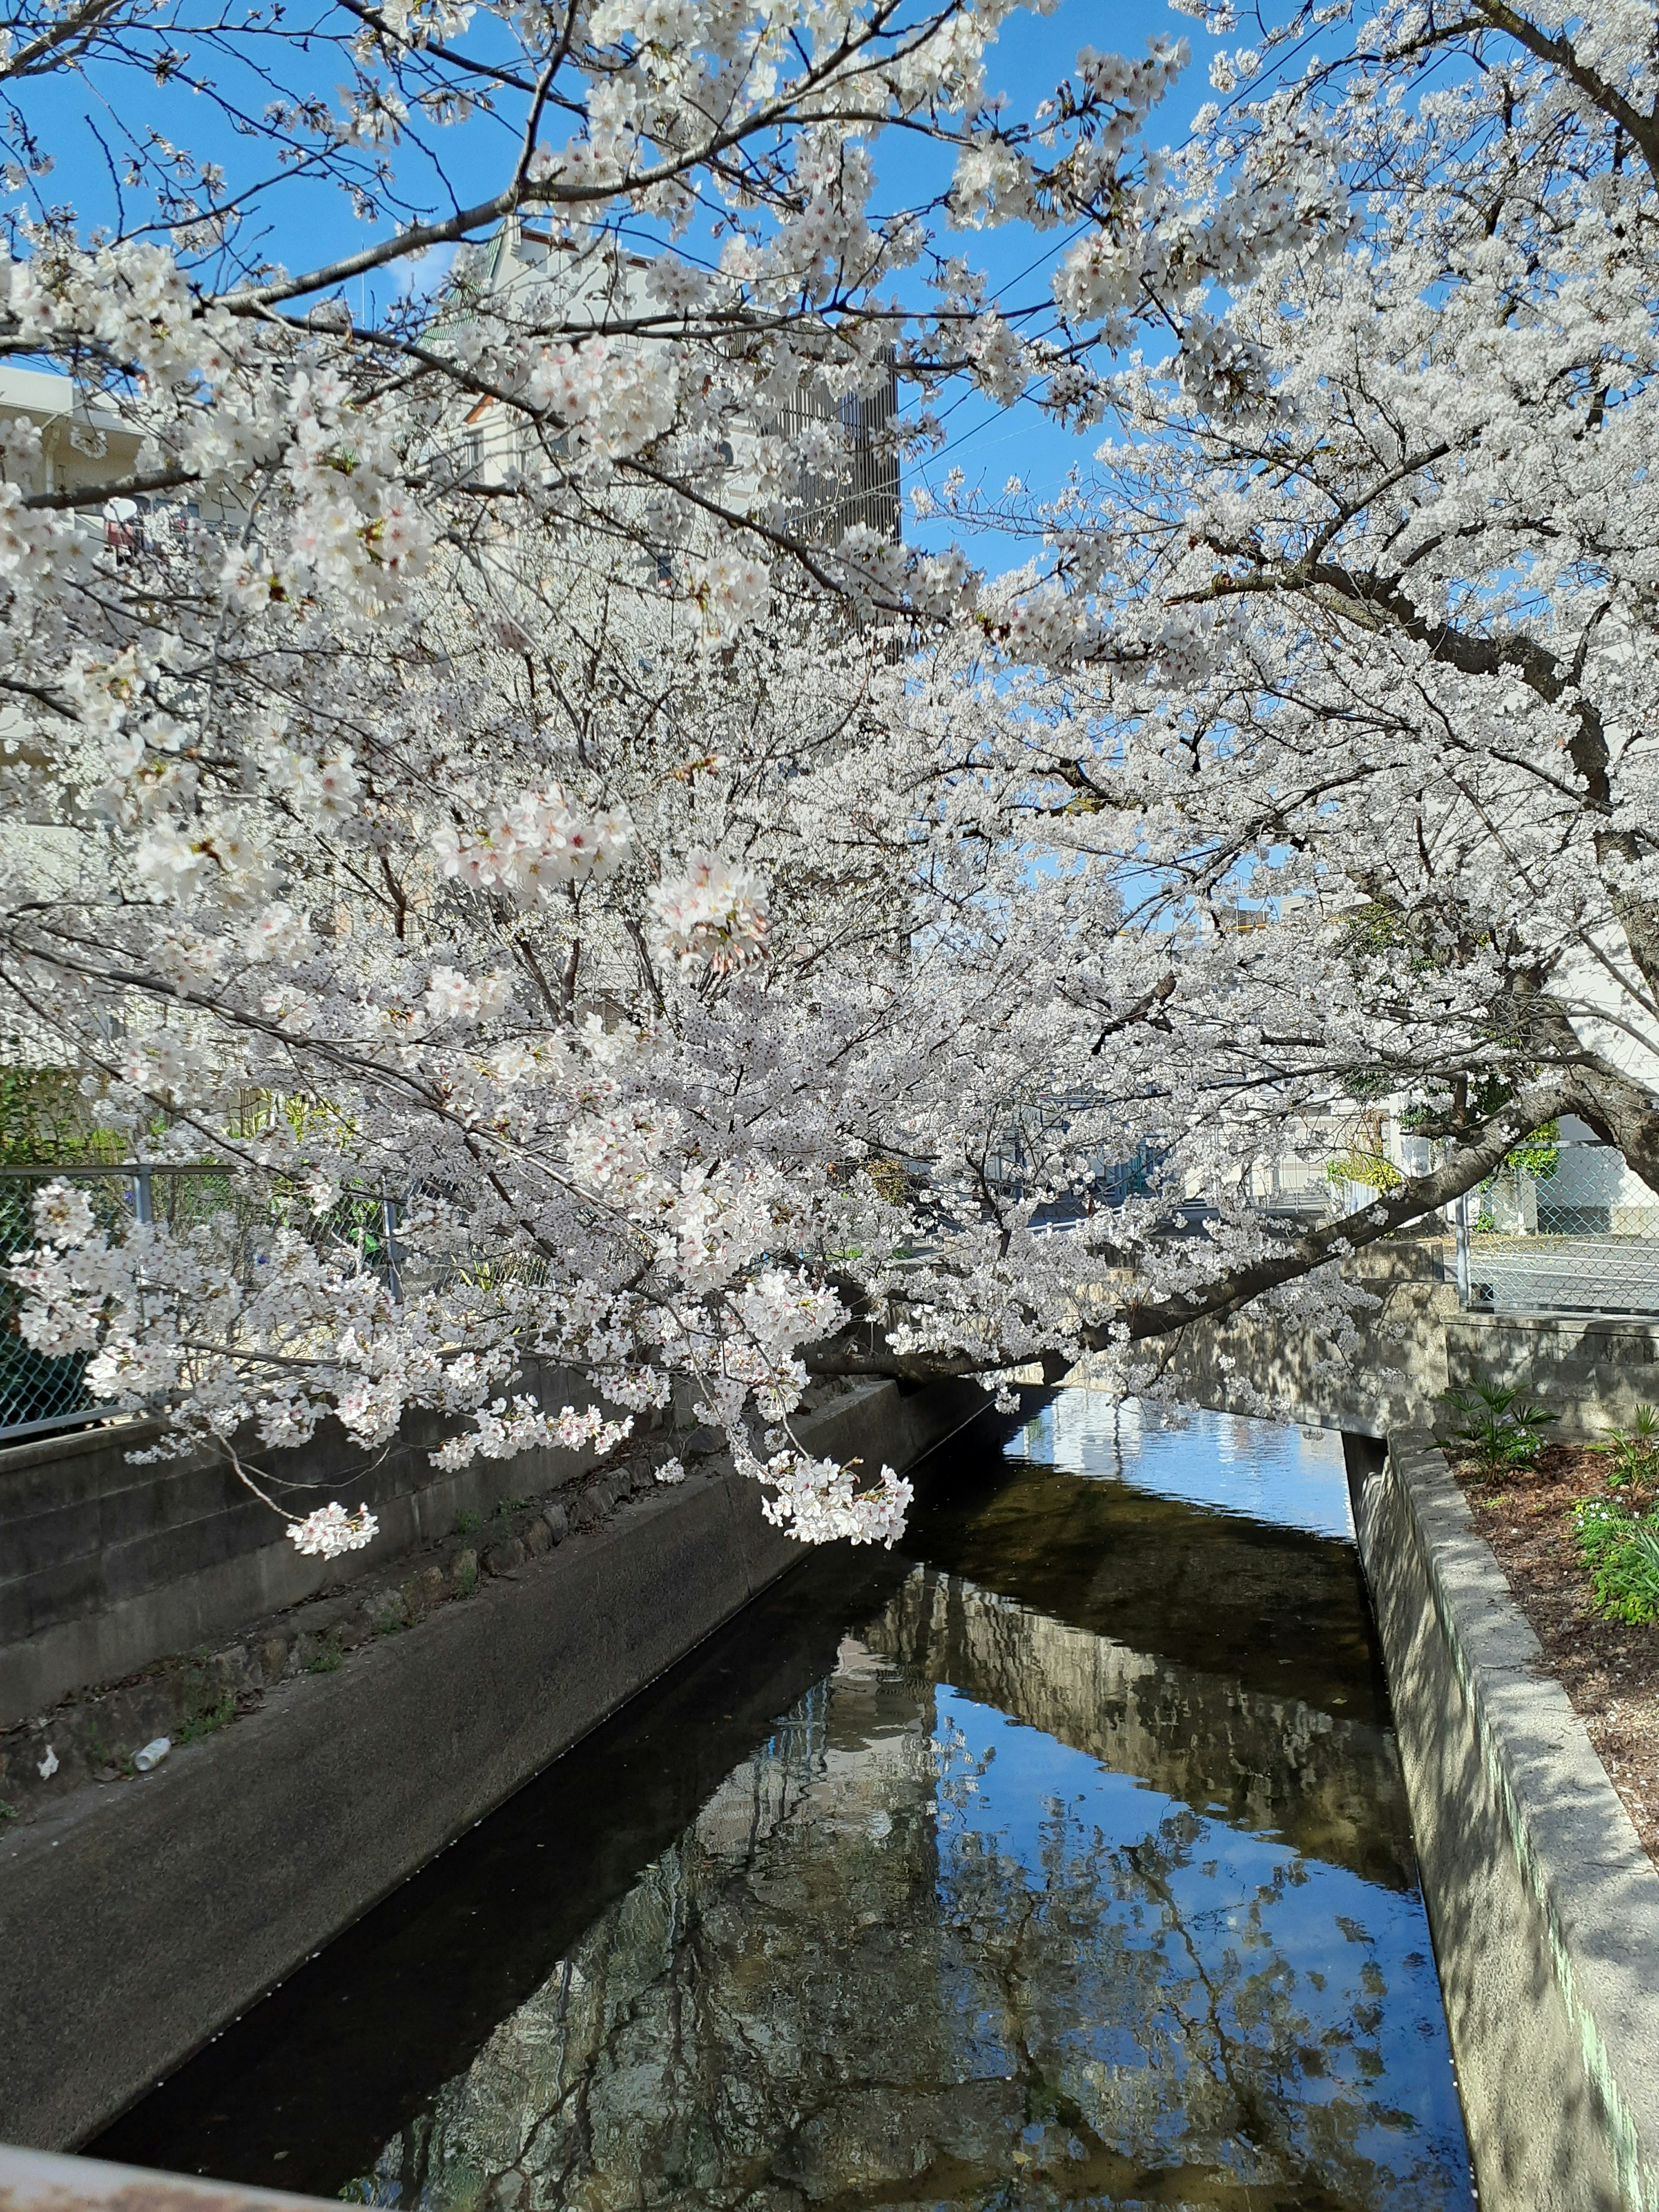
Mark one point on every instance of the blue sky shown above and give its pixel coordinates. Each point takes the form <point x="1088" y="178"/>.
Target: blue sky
<point x="989" y="443"/>
<point x="92" y="121"/>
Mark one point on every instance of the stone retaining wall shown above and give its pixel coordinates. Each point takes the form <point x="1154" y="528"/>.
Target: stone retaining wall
<point x="1544" y="1906"/>
<point x="1591" y="1370"/>
<point x="106" y="1566"/>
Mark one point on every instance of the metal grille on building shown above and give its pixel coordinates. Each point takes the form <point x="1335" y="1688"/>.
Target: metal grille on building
<point x="864" y="489"/>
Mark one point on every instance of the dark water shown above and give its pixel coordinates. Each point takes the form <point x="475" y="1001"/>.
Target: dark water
<point x="1062" y="1862"/>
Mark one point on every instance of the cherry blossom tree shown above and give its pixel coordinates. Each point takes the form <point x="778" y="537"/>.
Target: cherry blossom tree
<point x="732" y="940"/>
<point x="548" y="953"/>
<point x="320" y="723"/>
<point x="1335" y="715"/>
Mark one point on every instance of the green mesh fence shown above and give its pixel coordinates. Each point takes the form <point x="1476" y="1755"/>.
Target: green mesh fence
<point x="39" y="1394"/>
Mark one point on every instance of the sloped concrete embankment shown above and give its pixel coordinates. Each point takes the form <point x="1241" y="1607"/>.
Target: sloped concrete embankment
<point x="1544" y="1906"/>
<point x="35" y="2181"/>
<point x="135" y="1920"/>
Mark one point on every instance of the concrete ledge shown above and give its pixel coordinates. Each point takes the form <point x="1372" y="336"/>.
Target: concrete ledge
<point x="1592" y="1370"/>
<point x="136" y="1919"/>
<point x="36" y="2181"/>
<point x="1544" y="1906"/>
<point x="204" y="1602"/>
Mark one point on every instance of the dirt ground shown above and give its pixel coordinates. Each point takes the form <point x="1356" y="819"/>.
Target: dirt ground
<point x="1609" y="1669"/>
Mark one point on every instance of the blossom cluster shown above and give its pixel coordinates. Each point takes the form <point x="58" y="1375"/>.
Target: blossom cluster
<point x="535" y="846"/>
<point x="330" y="1531"/>
<point x="818" y="1501"/>
<point x="503" y="1431"/>
<point x="712" y="911"/>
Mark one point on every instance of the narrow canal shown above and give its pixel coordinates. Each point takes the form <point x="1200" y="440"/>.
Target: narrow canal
<point x="1063" y="1860"/>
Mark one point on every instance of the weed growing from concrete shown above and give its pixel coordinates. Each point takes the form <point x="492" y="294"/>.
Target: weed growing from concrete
<point x="208" y="1721"/>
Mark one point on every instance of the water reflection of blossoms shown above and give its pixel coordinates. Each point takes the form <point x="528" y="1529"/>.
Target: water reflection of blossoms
<point x="870" y="1968"/>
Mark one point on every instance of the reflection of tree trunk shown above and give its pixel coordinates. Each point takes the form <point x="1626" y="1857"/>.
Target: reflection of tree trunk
<point x="540" y="2124"/>
<point x="1255" y="2125"/>
<point x="841" y="1986"/>
<point x="577" y="2103"/>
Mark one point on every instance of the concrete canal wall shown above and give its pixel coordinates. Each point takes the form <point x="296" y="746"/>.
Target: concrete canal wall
<point x="1413" y="1345"/>
<point x="106" y="1565"/>
<point x="136" y="1919"/>
<point x="1544" y="1906"/>
<point x="36" y="2181"/>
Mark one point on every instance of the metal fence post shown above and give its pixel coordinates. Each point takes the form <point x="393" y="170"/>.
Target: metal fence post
<point x="389" y="1222"/>
<point x="141" y="1196"/>
<point x="1463" y="1251"/>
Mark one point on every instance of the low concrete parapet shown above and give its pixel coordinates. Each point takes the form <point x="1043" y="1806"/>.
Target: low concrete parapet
<point x="1591" y="1370"/>
<point x="1545" y="1907"/>
<point x="1412" y="1346"/>
<point x="1267" y="1359"/>
<point x="39" y="2181"/>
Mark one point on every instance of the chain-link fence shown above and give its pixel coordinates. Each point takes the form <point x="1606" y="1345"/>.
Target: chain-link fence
<point x="39" y="1394"/>
<point x="1580" y="1238"/>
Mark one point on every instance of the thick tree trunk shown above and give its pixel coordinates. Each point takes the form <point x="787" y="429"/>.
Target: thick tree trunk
<point x="1613" y="1104"/>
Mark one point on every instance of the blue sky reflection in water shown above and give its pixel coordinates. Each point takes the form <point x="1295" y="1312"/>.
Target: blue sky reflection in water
<point x="1061" y="1862"/>
<point x="1292" y="1477"/>
<point x="1245" y="1954"/>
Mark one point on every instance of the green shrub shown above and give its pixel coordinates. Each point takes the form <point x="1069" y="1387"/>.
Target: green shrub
<point x="1634" y="1451"/>
<point x="43" y="1117"/>
<point x="1370" y="1170"/>
<point x="1622" y="1553"/>
<point x="1500" y="1428"/>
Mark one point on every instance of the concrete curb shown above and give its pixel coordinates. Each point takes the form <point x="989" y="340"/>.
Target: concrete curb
<point x="37" y="2181"/>
<point x="1545" y="1907"/>
<point x="136" y="1919"/>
